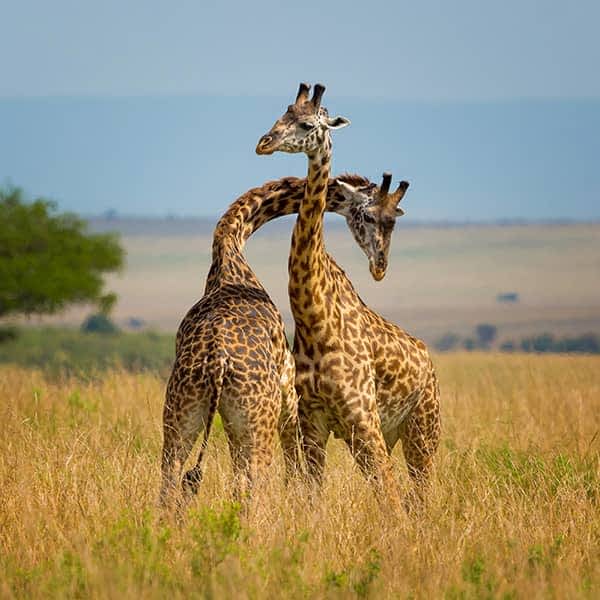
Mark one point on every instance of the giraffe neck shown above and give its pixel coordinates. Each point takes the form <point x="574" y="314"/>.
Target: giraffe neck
<point x="310" y="291"/>
<point x="250" y="212"/>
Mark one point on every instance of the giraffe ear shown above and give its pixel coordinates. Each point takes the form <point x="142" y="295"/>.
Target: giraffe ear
<point x="349" y="192"/>
<point x="353" y="197"/>
<point x="337" y="122"/>
<point x="398" y="195"/>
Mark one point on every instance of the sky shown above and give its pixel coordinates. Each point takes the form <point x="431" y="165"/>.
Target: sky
<point x="490" y="110"/>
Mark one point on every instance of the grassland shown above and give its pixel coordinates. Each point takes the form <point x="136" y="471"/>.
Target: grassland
<point x="514" y="511"/>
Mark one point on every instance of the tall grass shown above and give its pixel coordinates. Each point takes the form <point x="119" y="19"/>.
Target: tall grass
<point x="514" y="511"/>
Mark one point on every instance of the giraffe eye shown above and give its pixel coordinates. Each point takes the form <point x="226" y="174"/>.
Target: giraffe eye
<point x="306" y="125"/>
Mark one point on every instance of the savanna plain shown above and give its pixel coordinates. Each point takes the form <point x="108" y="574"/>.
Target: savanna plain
<point x="440" y="278"/>
<point x="514" y="510"/>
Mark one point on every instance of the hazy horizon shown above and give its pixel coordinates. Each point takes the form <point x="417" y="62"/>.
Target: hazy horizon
<point x="193" y="156"/>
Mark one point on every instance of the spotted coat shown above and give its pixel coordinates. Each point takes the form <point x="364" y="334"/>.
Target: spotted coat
<point x="231" y="350"/>
<point x="357" y="375"/>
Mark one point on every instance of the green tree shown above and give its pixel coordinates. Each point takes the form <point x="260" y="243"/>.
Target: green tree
<point x="48" y="259"/>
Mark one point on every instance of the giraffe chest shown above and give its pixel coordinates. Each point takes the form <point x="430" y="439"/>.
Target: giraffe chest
<point x="333" y="376"/>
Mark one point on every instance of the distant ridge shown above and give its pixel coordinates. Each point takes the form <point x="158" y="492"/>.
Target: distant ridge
<point x="132" y="225"/>
<point x="181" y="225"/>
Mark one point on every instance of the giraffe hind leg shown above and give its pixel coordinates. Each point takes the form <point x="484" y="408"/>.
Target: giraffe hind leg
<point x="250" y="420"/>
<point x="214" y="384"/>
<point x="192" y="479"/>
<point x="176" y="449"/>
<point x="181" y="428"/>
<point x="250" y="457"/>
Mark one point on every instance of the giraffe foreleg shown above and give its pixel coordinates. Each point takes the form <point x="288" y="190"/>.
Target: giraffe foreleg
<point x="368" y="447"/>
<point x="290" y="437"/>
<point x="420" y="440"/>
<point x="289" y="427"/>
<point x="315" y="434"/>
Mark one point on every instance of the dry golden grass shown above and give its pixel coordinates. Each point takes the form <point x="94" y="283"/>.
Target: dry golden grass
<point x="514" y="511"/>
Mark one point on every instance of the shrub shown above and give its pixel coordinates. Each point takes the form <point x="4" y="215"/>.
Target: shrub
<point x="507" y="297"/>
<point x="469" y="344"/>
<point x="449" y="341"/>
<point x="99" y="323"/>
<point x="587" y="343"/>
<point x="486" y="334"/>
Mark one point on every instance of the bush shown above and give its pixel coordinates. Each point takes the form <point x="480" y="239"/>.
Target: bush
<point x="539" y="343"/>
<point x="99" y="323"/>
<point x="507" y="297"/>
<point x="469" y="344"/>
<point x="449" y="341"/>
<point x="486" y="334"/>
<point x="588" y="343"/>
<point x="8" y="333"/>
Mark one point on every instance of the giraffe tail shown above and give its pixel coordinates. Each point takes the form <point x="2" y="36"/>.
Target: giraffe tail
<point x="216" y="361"/>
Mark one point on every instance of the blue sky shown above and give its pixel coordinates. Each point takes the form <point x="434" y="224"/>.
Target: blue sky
<point x="490" y="110"/>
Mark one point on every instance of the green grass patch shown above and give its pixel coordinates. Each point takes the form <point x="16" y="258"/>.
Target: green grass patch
<point x="532" y="472"/>
<point x="69" y="351"/>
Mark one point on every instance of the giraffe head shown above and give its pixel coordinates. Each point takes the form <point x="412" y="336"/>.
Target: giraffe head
<point x="304" y="127"/>
<point x="371" y="213"/>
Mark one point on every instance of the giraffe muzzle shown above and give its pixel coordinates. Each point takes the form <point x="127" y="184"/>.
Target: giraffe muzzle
<point x="378" y="273"/>
<point x="265" y="145"/>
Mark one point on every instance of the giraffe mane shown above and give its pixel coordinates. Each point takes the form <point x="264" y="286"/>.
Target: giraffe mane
<point x="353" y="179"/>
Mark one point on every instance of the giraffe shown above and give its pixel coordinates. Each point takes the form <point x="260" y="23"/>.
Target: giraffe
<point x="357" y="375"/>
<point x="231" y="351"/>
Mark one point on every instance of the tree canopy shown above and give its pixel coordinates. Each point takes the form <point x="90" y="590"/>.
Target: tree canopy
<point x="48" y="259"/>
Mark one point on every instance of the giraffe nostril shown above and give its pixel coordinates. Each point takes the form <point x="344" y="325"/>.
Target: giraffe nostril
<point x="265" y="139"/>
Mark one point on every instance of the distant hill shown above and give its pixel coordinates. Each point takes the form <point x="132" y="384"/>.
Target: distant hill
<point x="171" y="226"/>
<point x="181" y="225"/>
